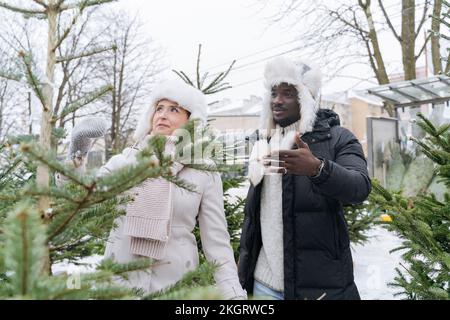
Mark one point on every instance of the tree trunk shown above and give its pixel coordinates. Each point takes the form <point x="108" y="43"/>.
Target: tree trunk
<point x="380" y="67"/>
<point x="43" y="174"/>
<point x="43" y="177"/>
<point x="435" y="39"/>
<point x="408" y="38"/>
<point x="114" y="106"/>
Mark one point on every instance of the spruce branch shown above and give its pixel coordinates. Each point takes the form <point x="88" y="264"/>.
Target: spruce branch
<point x="202" y="276"/>
<point x="50" y="160"/>
<point x="83" y="101"/>
<point x="184" y="77"/>
<point x="80" y="205"/>
<point x="216" y="85"/>
<point x="10" y="76"/>
<point x="24" y="11"/>
<point x="32" y="79"/>
<point x="24" y="249"/>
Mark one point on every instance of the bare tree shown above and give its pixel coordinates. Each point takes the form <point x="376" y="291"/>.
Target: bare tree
<point x="357" y="24"/>
<point x="13" y="118"/>
<point x="78" y="89"/>
<point x="131" y="70"/>
<point x="43" y="86"/>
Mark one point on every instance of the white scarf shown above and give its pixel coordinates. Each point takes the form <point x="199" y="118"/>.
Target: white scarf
<point x="281" y="139"/>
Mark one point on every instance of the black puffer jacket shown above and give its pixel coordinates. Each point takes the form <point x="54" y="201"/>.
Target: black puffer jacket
<point x="317" y="257"/>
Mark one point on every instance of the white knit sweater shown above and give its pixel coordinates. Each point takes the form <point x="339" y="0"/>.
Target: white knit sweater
<point x="270" y="265"/>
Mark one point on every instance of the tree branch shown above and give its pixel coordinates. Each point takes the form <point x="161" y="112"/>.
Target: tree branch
<point x="85" y="4"/>
<point x="67" y="31"/>
<point x="53" y="164"/>
<point x="90" y="97"/>
<point x="25" y="11"/>
<point x="80" y="206"/>
<point x="32" y="79"/>
<point x="85" y="54"/>
<point x="355" y="27"/>
<point x="423" y="47"/>
<point x="10" y="76"/>
<point x="198" y="66"/>
<point x="388" y="20"/>
<point x="42" y="3"/>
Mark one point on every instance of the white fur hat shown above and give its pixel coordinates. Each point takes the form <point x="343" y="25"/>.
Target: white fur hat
<point x="306" y="78"/>
<point x="188" y="97"/>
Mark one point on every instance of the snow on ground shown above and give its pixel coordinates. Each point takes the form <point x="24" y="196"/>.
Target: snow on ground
<point x="374" y="266"/>
<point x="85" y="265"/>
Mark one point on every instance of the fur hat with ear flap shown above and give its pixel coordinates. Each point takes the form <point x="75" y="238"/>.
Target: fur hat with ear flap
<point x="305" y="77"/>
<point x="187" y="97"/>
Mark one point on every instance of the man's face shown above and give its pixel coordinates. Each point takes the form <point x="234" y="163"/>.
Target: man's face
<point x="284" y="104"/>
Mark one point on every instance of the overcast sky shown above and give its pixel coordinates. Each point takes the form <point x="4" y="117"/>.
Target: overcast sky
<point x="232" y="29"/>
<point x="227" y="30"/>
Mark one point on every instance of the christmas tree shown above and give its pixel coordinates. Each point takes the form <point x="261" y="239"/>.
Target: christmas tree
<point x="78" y="222"/>
<point x="41" y="224"/>
<point x="423" y="222"/>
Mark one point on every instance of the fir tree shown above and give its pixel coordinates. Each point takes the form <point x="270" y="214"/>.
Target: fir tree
<point x="51" y="11"/>
<point x="216" y="85"/>
<point x="360" y="219"/>
<point x="232" y="174"/>
<point x="423" y="222"/>
<point x="77" y="224"/>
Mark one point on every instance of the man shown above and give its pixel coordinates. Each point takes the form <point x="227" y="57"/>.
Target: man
<point x="294" y="242"/>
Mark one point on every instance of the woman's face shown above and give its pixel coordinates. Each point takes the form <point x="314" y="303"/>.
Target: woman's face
<point x="168" y="117"/>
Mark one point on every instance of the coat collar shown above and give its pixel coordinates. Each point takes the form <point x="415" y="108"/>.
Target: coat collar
<point x="325" y="120"/>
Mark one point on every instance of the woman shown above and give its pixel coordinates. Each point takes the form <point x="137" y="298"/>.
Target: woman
<point x="158" y="224"/>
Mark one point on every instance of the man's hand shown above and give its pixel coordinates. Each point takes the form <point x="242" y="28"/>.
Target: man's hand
<point x="300" y="162"/>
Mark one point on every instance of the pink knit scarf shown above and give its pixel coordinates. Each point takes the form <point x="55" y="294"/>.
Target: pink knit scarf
<point x="148" y="218"/>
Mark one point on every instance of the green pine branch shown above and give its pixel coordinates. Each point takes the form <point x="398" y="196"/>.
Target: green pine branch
<point x="85" y="54"/>
<point x="32" y="79"/>
<point x="83" y="101"/>
<point x="423" y="222"/>
<point x="24" y="250"/>
<point x="201" y="277"/>
<point x="215" y="86"/>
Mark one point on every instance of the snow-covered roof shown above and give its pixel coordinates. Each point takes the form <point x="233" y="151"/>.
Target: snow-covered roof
<point x="253" y="105"/>
<point x="227" y="107"/>
<point x="336" y="97"/>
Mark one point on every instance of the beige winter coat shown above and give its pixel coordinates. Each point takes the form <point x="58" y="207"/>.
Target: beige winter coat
<point x="182" y="252"/>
